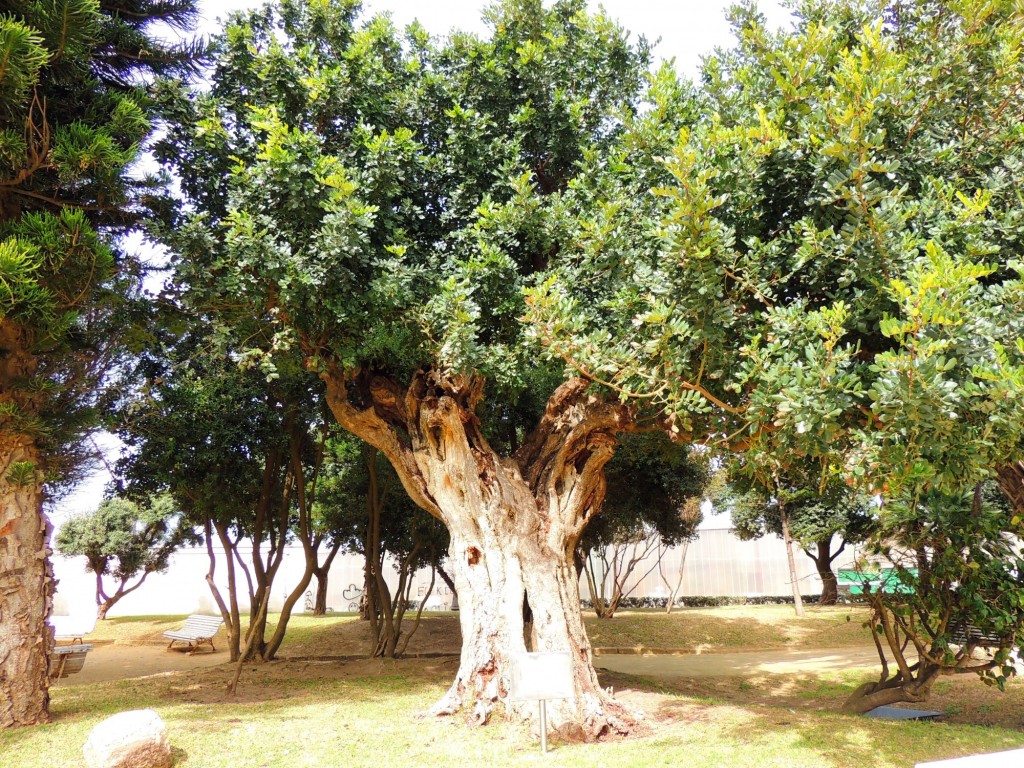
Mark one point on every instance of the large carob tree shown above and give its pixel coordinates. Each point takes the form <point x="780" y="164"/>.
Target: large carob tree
<point x="384" y="200"/>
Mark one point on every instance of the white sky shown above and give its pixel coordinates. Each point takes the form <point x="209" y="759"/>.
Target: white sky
<point x="687" y="29"/>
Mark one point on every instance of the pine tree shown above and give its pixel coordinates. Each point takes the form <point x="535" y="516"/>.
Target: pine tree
<point x="74" y="115"/>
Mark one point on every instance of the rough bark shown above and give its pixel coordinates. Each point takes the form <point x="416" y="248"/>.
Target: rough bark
<point x="26" y="586"/>
<point x="1011" y="482"/>
<point x="514" y="523"/>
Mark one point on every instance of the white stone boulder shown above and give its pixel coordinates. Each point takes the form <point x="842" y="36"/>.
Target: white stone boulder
<point x="135" y="739"/>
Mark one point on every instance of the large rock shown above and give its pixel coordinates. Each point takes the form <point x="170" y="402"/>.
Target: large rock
<point x="136" y="739"/>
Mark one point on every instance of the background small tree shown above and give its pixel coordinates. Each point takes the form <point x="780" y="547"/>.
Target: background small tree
<point x="652" y="484"/>
<point x="125" y="541"/>
<point x="822" y="521"/>
<point x="952" y="603"/>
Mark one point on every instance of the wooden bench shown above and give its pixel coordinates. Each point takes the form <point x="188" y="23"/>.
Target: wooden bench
<point x="67" y="659"/>
<point x="968" y="634"/>
<point x="196" y="631"/>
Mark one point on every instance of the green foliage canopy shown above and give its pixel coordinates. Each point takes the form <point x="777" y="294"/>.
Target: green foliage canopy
<point x="837" y="274"/>
<point x="382" y="198"/>
<point x="655" y="487"/>
<point x="124" y="539"/>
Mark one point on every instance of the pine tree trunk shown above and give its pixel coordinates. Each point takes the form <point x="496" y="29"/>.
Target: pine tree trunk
<point x="514" y="523"/>
<point x="26" y="586"/>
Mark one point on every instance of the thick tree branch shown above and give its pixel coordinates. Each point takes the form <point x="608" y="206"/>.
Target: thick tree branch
<point x="370" y="426"/>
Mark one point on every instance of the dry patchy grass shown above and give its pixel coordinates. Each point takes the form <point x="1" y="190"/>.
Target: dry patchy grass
<point x="295" y="714"/>
<point x="302" y="712"/>
<point x="733" y="628"/>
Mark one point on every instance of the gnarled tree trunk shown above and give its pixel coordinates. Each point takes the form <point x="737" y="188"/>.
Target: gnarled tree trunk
<point x="514" y="523"/>
<point x="26" y="586"/>
<point x="895" y="690"/>
<point x="1011" y="482"/>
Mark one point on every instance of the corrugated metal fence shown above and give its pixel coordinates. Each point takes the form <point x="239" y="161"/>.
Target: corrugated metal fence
<point x="717" y="563"/>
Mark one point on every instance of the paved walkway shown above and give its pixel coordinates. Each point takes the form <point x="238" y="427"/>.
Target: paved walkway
<point x="739" y="664"/>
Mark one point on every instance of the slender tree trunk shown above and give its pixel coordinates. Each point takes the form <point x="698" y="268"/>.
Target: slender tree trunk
<point x="673" y="590"/>
<point x="212" y="584"/>
<point x="596" y="587"/>
<point x="232" y="616"/>
<point x="304" y="500"/>
<point x="320" y="601"/>
<point x="823" y="563"/>
<point x="448" y="581"/>
<point x="101" y="614"/>
<point x="798" y="603"/>
<point x="322" y="574"/>
<point x="274" y="645"/>
<point x="123" y="590"/>
<point x="26" y="586"/>
<point x="514" y="523"/>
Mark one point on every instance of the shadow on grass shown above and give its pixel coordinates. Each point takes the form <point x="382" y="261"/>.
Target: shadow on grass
<point x="801" y="713"/>
<point x="277" y="685"/>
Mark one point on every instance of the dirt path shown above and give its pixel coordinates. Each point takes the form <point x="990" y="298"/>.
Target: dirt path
<point x="739" y="664"/>
<point x="121" y="662"/>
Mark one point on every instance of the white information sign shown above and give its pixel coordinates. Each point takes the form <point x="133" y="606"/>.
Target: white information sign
<point x="542" y="676"/>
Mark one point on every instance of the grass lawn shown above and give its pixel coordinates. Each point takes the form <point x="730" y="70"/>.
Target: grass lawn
<point x="363" y="712"/>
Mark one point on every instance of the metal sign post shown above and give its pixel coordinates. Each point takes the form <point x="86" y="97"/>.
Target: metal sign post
<point x="540" y="677"/>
